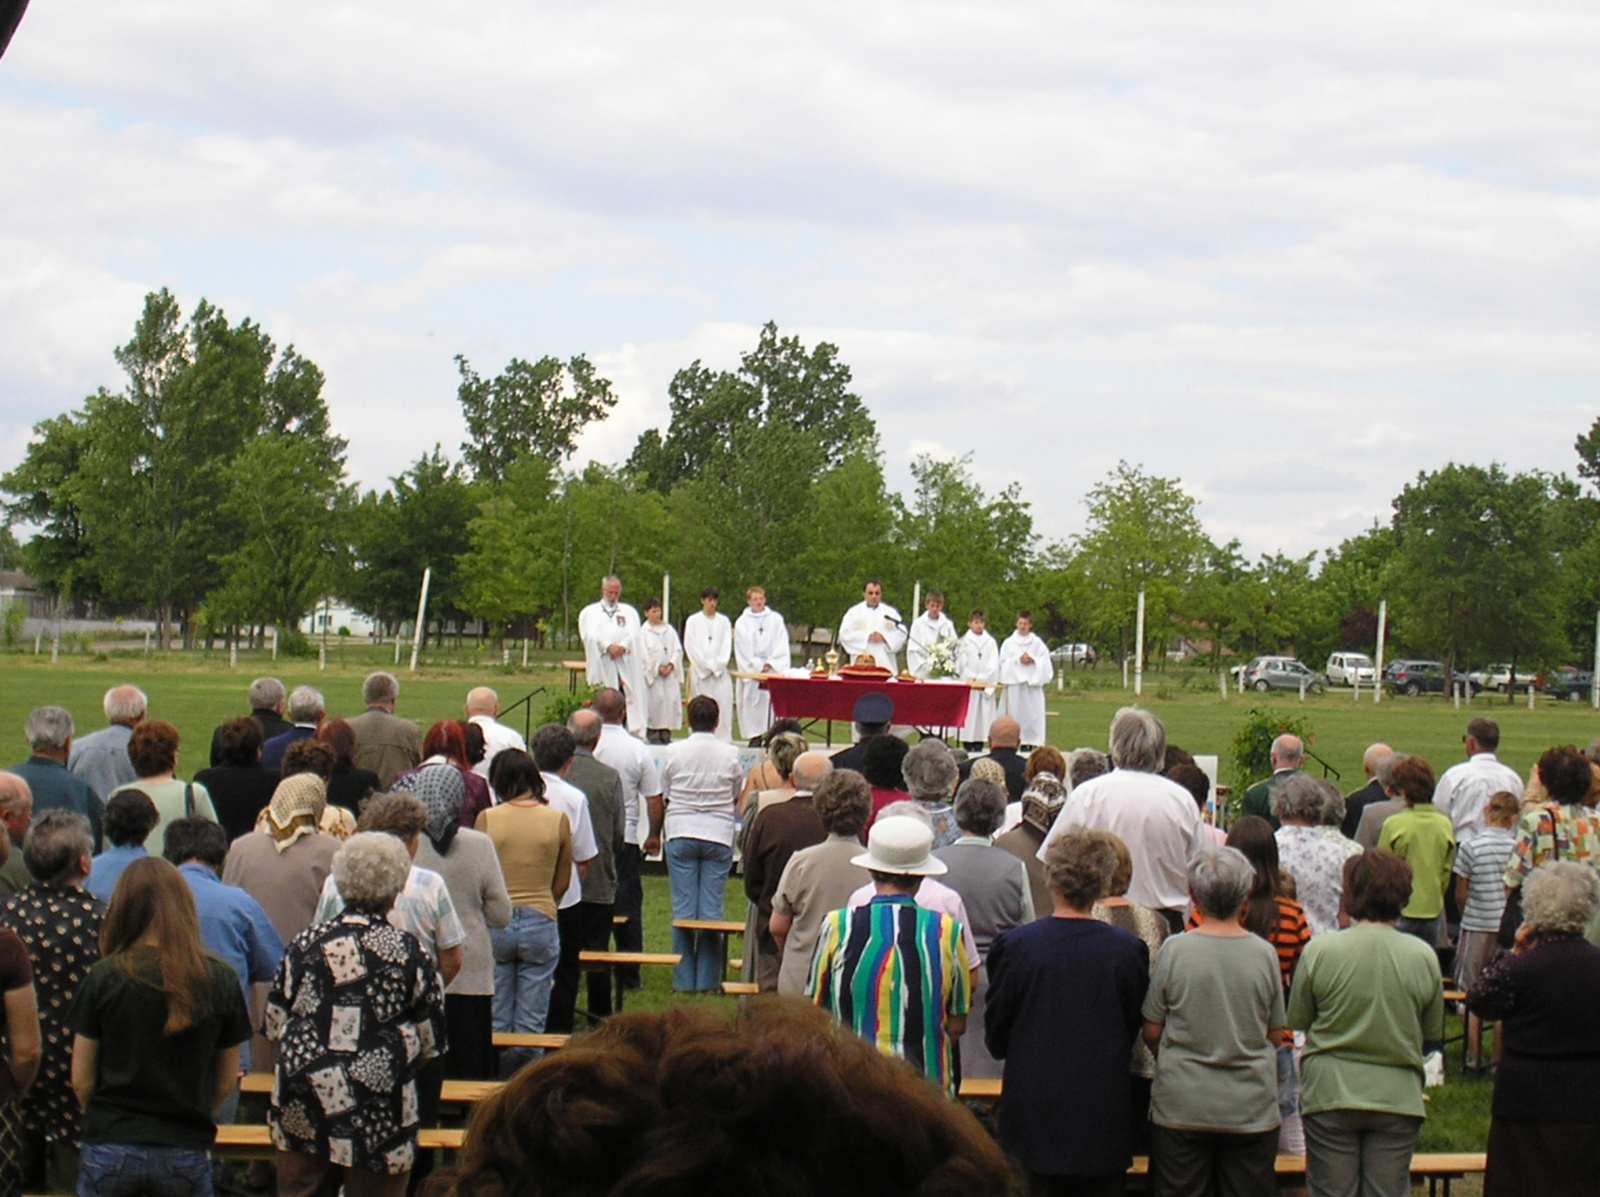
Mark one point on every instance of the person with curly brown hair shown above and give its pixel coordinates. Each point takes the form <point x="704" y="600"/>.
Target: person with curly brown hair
<point x="153" y="749"/>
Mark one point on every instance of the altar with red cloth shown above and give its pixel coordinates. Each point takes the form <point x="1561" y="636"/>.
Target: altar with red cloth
<point x="916" y="704"/>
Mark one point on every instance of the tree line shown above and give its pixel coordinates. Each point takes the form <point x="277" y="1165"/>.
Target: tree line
<point x="211" y="491"/>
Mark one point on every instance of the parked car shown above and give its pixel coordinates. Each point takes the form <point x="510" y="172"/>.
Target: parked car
<point x="1499" y="677"/>
<point x="1571" y="683"/>
<point x="1349" y="669"/>
<point x="1281" y="673"/>
<point x="1424" y="677"/>
<point x="1073" y="654"/>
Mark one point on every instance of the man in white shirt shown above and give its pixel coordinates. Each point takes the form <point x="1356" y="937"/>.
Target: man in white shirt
<point x="608" y="630"/>
<point x="760" y="645"/>
<point x="1155" y="817"/>
<point x="927" y="630"/>
<point x="483" y="708"/>
<point x="708" y="642"/>
<point x="1465" y="789"/>
<point x="874" y="628"/>
<point x="1025" y="670"/>
<point x="553" y="750"/>
<point x="978" y="660"/>
<point x="641" y="788"/>
<point x="701" y="780"/>
<point x="662" y="656"/>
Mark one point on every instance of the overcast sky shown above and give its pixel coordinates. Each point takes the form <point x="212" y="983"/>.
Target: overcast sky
<point x="1292" y="254"/>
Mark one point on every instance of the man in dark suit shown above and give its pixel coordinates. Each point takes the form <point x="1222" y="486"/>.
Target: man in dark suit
<point x="386" y="744"/>
<point x="54" y="786"/>
<point x="1005" y="737"/>
<point x="308" y="709"/>
<point x="602" y="786"/>
<point x="266" y="707"/>
<point x="1372" y="762"/>
<point x="872" y="713"/>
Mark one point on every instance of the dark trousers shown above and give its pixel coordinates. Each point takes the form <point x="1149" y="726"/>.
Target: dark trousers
<point x="584" y="927"/>
<point x="630" y="905"/>
<point x="1040" y="1185"/>
<point x="1212" y="1163"/>
<point x="469" y="1021"/>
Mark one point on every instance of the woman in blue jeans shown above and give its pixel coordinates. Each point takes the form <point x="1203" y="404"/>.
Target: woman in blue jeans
<point x="158" y="1026"/>
<point x="534" y="843"/>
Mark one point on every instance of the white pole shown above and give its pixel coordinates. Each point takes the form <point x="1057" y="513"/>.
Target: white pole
<point x="397" y="647"/>
<point x="233" y="656"/>
<point x="1383" y="628"/>
<point x="55" y="654"/>
<point x="1355" y="686"/>
<point x="1455" y="694"/>
<point x="38" y="643"/>
<point x="524" y="652"/>
<point x="1222" y="684"/>
<point x="1302" y="689"/>
<point x="505" y="657"/>
<point x="1138" y="649"/>
<point x="916" y="598"/>
<point x="1124" y="673"/>
<point x="666" y="602"/>
<point x="274" y="643"/>
<point x="322" y="656"/>
<point x="422" y="610"/>
<point x="1530" y="698"/>
<point x="1594" y="687"/>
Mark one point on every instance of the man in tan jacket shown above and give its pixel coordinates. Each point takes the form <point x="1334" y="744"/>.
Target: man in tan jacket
<point x="384" y="743"/>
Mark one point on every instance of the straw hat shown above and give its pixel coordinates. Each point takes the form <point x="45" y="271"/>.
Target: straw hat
<point x="901" y="845"/>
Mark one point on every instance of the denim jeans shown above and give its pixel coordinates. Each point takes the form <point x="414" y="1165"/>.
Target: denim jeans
<point x="525" y="956"/>
<point x="698" y="870"/>
<point x="109" y="1170"/>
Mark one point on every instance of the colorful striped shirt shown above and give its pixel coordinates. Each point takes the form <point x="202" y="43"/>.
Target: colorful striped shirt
<point x="1553" y="832"/>
<point x="893" y="972"/>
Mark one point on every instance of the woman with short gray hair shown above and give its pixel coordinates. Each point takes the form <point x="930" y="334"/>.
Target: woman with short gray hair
<point x="1215" y="1018"/>
<point x="1544" y="1136"/>
<point x="931" y="774"/>
<point x="1307" y="853"/>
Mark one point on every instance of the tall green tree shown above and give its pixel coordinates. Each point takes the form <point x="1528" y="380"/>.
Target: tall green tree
<point x="530" y="409"/>
<point x="44" y="485"/>
<point x="850" y="536"/>
<point x="975" y="547"/>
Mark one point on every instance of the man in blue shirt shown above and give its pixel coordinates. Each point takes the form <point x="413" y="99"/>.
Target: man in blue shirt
<point x="50" y="731"/>
<point x="101" y="758"/>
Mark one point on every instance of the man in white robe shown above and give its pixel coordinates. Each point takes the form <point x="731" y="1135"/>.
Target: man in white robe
<point x="978" y="660"/>
<point x="662" y="654"/>
<point x="760" y="645"/>
<point x="932" y="626"/>
<point x="1025" y="669"/>
<point x="872" y="626"/>
<point x="708" y="642"/>
<point x="608" y="630"/>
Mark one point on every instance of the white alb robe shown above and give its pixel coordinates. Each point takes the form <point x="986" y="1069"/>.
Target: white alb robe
<point x="708" y="644"/>
<point x="659" y="645"/>
<point x="924" y="635"/>
<point x="1024" y="699"/>
<point x="978" y="660"/>
<point x="860" y="622"/>
<point x="760" y="638"/>
<point x="600" y="627"/>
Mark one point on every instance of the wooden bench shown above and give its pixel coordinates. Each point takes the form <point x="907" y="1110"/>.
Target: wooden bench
<point x="741" y="988"/>
<point x="613" y="962"/>
<point x="550" y="1043"/>
<point x="574" y="668"/>
<point x="254" y="1141"/>
<point x="722" y="927"/>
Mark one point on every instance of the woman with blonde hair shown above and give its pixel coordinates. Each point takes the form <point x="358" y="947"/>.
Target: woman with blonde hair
<point x="158" y="1026"/>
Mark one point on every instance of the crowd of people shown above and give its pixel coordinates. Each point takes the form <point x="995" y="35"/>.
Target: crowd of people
<point x="362" y="914"/>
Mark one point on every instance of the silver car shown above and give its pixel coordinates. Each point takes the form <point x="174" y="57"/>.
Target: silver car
<point x="1282" y="673"/>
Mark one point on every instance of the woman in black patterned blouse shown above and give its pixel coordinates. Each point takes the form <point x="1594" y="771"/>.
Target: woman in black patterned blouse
<point x="356" y="1008"/>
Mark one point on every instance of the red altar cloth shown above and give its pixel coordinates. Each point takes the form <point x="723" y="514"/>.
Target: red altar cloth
<point x="916" y="704"/>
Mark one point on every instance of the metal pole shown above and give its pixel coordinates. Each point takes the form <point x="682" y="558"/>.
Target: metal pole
<point x="422" y="611"/>
<point x="1383" y="628"/>
<point x="666" y="599"/>
<point x="916" y="598"/>
<point x="1138" y="649"/>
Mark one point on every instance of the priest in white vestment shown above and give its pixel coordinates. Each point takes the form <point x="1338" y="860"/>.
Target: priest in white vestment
<point x="708" y="642"/>
<point x="932" y="626"/>
<point x="760" y="645"/>
<point x="662" y="653"/>
<point x="608" y="629"/>
<point x="978" y="660"/>
<point x="1025" y="670"/>
<point x="872" y="626"/>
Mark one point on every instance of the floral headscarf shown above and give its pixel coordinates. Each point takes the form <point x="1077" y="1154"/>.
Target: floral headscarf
<point x="296" y="807"/>
<point x="440" y="789"/>
<point x="1042" y="801"/>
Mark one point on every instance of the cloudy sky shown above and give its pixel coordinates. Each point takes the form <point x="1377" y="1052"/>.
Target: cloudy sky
<point x="1292" y="254"/>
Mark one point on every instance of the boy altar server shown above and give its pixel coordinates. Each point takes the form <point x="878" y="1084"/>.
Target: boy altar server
<point x="932" y="626"/>
<point x="1025" y="670"/>
<point x="760" y="645"/>
<point x="662" y="653"/>
<point x="978" y="660"/>
<point x="708" y="641"/>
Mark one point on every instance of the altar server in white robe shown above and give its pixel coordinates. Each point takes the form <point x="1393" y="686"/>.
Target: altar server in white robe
<point x="978" y="660"/>
<point x="873" y="626"/>
<point x="708" y="641"/>
<point x="932" y="626"/>
<point x="608" y="630"/>
<point x="1025" y="670"/>
<point x="662" y="653"/>
<point x="760" y="645"/>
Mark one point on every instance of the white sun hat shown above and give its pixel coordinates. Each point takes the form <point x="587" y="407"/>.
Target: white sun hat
<point x="902" y="845"/>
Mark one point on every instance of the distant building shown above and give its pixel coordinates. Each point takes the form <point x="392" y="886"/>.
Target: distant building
<point x="332" y="614"/>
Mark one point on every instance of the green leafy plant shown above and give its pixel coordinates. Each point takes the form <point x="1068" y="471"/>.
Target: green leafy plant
<point x="1252" y="743"/>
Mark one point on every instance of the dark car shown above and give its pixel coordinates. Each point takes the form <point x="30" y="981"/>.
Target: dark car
<point x="1571" y="683"/>
<point x="1424" y="677"/>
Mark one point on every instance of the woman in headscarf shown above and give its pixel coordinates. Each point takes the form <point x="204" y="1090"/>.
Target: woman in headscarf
<point x="467" y="861"/>
<point x="445" y="744"/>
<point x="1041" y="803"/>
<point x="283" y="863"/>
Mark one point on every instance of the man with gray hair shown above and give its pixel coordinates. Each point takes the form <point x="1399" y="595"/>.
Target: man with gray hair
<point x="641" y="786"/>
<point x="483" y="708"/>
<point x="779" y="830"/>
<point x="602" y="788"/>
<point x="267" y="699"/>
<point x="1288" y="753"/>
<point x="1374" y="813"/>
<point x="307" y="708"/>
<point x="1372" y="792"/>
<point x="101" y="758"/>
<point x="54" y="787"/>
<point x="1154" y="816"/>
<point x="386" y="744"/>
<point x="609" y="630"/>
<point x="16" y="812"/>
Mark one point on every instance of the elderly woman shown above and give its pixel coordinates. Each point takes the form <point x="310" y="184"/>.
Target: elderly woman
<point x="467" y="861"/>
<point x="239" y="787"/>
<point x="994" y="886"/>
<point x="1214" y="1017"/>
<point x="1063" y="1013"/>
<point x="284" y="863"/>
<point x="153" y="749"/>
<point x="1041" y="803"/>
<point x="1314" y="860"/>
<point x="1423" y="836"/>
<point x="931" y="775"/>
<point x="356" y="1010"/>
<point x="348" y="786"/>
<point x="130" y="816"/>
<point x="1565" y="826"/>
<point x="1545" y="1134"/>
<point x="1370" y="1001"/>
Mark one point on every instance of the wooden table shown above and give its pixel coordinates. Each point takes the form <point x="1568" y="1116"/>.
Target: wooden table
<point x="574" y="668"/>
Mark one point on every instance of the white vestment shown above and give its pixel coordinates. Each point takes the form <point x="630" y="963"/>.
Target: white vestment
<point x="708" y="642"/>
<point x="978" y="660"/>
<point x="659" y="645"/>
<point x="862" y="621"/>
<point x="600" y="627"/>
<point x="760" y="638"/>
<point x="924" y="635"/>
<point x="1025" y="683"/>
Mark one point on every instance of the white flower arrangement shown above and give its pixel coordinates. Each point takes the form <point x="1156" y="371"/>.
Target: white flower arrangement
<point x="942" y="658"/>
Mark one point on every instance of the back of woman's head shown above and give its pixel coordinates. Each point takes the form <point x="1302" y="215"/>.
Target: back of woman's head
<point x="338" y="735"/>
<point x="783" y="750"/>
<point x="1412" y="780"/>
<point x="153" y="748"/>
<point x="881" y="762"/>
<point x="445" y="739"/>
<point x="513" y="774"/>
<point x="153" y="907"/>
<point x="1253" y="836"/>
<point x="1046" y="759"/>
<point x="241" y="741"/>
<point x="773" y="1099"/>
<point x="1566" y="775"/>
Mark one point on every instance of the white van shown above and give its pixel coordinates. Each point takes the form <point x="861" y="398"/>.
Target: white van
<point x="1350" y="669"/>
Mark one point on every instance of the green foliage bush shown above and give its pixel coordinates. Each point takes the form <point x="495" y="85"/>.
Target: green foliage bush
<point x="1252" y="743"/>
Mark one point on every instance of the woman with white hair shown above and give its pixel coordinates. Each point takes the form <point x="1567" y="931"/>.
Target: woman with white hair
<point x="1545" y="1133"/>
<point x="1215" y="1018"/>
<point x="1314" y="860"/>
<point x="931" y="774"/>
